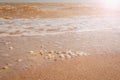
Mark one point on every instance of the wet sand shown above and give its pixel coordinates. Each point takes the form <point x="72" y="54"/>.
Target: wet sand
<point x="70" y="55"/>
<point x="102" y="61"/>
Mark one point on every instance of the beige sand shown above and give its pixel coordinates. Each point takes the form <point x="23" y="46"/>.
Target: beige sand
<point x="102" y="63"/>
<point x="18" y="61"/>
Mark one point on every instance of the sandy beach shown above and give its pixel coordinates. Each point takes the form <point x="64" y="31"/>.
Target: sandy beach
<point x="58" y="47"/>
<point x="101" y="62"/>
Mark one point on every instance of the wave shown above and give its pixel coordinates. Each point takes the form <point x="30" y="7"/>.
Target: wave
<point x="58" y="25"/>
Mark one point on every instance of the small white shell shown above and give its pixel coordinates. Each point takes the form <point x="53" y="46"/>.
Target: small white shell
<point x="81" y="53"/>
<point x="51" y="55"/>
<point x="11" y="48"/>
<point x="20" y="60"/>
<point x="74" y="54"/>
<point x="71" y="53"/>
<point x="61" y="55"/>
<point x="31" y="52"/>
<point x="68" y="56"/>
<point x="5" y="67"/>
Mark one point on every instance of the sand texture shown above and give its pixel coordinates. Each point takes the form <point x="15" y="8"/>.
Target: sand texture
<point x="22" y="58"/>
<point x="58" y="41"/>
<point x="52" y="10"/>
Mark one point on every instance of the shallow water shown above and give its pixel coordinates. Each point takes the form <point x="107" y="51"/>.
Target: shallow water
<point x="18" y="27"/>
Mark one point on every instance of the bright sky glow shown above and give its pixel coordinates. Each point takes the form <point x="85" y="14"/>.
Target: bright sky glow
<point x="111" y="4"/>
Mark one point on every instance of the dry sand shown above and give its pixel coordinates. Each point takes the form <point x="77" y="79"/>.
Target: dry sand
<point x="29" y="57"/>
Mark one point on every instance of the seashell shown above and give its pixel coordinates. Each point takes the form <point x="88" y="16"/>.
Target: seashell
<point x="71" y="53"/>
<point x="52" y="52"/>
<point x="41" y="52"/>
<point x="81" y="53"/>
<point x="86" y="54"/>
<point x="7" y="17"/>
<point x="61" y="55"/>
<point x="49" y="56"/>
<point x="5" y="67"/>
<point x="68" y="56"/>
<point x="11" y="48"/>
<point x="59" y="52"/>
<point x="20" y="60"/>
<point x="31" y="52"/>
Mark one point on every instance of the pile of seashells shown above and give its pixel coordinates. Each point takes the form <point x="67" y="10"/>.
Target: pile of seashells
<point x="58" y="55"/>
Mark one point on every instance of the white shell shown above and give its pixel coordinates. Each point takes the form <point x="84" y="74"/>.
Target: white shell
<point x="68" y="56"/>
<point x="20" y="60"/>
<point x="51" y="55"/>
<point x="61" y="55"/>
<point x="81" y="53"/>
<point x="71" y="53"/>
<point x="11" y="48"/>
<point x="31" y="52"/>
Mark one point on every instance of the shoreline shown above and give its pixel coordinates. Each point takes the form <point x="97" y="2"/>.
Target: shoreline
<point x="18" y="61"/>
<point x="92" y="54"/>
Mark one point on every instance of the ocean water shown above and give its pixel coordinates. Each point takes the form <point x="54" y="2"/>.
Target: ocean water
<point x="18" y="27"/>
<point x="82" y="1"/>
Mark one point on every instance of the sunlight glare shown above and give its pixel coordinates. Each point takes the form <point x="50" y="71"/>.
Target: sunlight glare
<point x="111" y="4"/>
